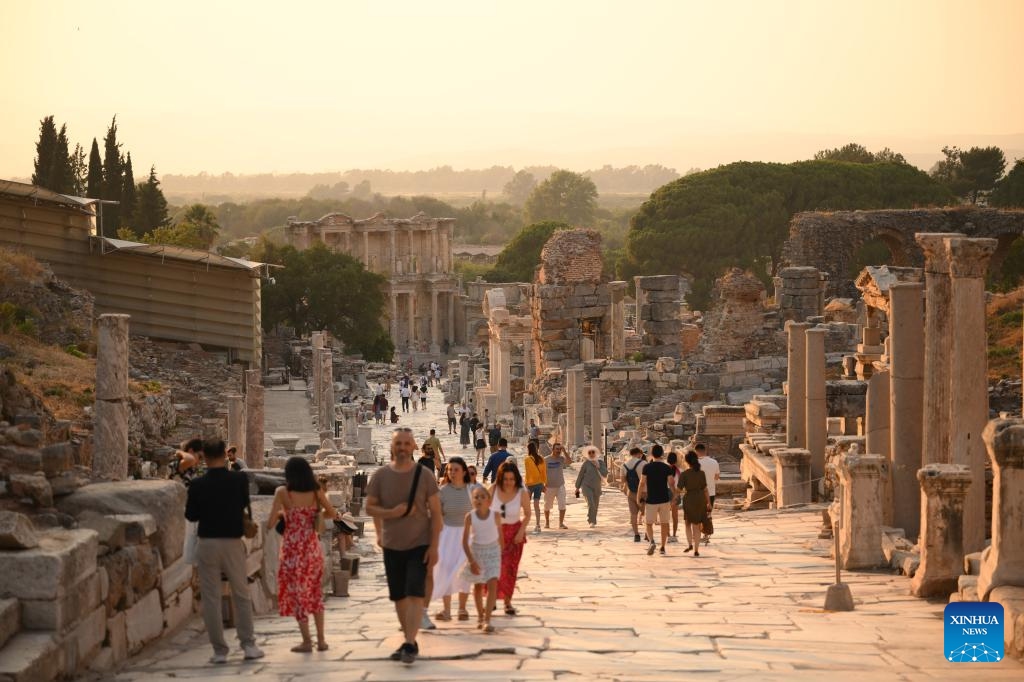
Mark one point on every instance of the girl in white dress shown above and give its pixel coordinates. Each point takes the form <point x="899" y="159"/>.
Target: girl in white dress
<point x="481" y="540"/>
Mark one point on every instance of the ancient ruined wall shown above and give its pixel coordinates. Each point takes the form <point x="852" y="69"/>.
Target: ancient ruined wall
<point x="570" y="302"/>
<point x="829" y="241"/>
<point x="735" y="328"/>
<point x="658" y="323"/>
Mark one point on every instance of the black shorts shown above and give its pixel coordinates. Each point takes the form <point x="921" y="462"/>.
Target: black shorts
<point x="711" y="498"/>
<point x="406" y="572"/>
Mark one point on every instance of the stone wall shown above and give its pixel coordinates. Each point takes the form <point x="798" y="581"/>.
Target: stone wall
<point x="799" y="293"/>
<point x="738" y="326"/>
<point x="658" y="306"/>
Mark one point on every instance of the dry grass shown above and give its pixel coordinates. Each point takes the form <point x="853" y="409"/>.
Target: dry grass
<point x="65" y="383"/>
<point x="1005" y="331"/>
<point x="20" y="266"/>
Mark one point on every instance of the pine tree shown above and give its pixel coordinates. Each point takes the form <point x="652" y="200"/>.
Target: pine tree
<point x="128" y="196"/>
<point x="150" y="205"/>
<point x="63" y="178"/>
<point x="94" y="178"/>
<point x="113" y="179"/>
<point x="46" y="148"/>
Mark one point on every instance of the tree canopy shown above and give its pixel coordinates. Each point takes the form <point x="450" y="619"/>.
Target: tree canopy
<point x="150" y="205"/>
<point x="520" y="257"/>
<point x="320" y="289"/>
<point x="518" y="189"/>
<point x="738" y="215"/>
<point x="1009" y="192"/>
<point x="856" y="153"/>
<point x="968" y="174"/>
<point x="564" y="197"/>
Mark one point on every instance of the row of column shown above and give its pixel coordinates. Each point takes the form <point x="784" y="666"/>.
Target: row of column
<point x="807" y="409"/>
<point x="435" y="318"/>
<point x="576" y="406"/>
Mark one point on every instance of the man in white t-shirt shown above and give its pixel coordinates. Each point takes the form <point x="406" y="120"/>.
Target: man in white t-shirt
<point x="712" y="472"/>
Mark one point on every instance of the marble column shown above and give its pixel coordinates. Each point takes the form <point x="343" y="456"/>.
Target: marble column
<point x="943" y="489"/>
<point x="617" y="320"/>
<point x="528" y="362"/>
<point x="253" y="419"/>
<point x="413" y="336"/>
<point x="968" y="389"/>
<point x="641" y="299"/>
<point x="236" y="422"/>
<point x="596" y="423"/>
<point x="503" y="390"/>
<point x="816" y="412"/>
<point x="574" y="406"/>
<point x="435" y="324"/>
<point x="110" y="418"/>
<point x="394" y="318"/>
<point x="325" y="414"/>
<point x="906" y="403"/>
<point x="433" y="250"/>
<point x="796" y="384"/>
<point x="876" y="436"/>
<point x="366" y="250"/>
<point x="1002" y="563"/>
<point x="586" y="349"/>
<point x="413" y="260"/>
<point x="463" y="377"/>
<point x="860" y="536"/>
<point x="937" y="344"/>
<point x="451" y="319"/>
<point x="394" y="255"/>
<point x="316" y="341"/>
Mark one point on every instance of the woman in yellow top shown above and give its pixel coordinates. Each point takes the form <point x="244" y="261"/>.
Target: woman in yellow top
<point x="536" y="479"/>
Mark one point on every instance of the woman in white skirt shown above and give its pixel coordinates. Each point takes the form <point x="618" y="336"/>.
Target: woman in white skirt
<point x="455" y="504"/>
<point x="482" y="541"/>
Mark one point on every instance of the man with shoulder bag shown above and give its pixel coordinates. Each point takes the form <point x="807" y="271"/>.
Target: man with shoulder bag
<point x="632" y="470"/>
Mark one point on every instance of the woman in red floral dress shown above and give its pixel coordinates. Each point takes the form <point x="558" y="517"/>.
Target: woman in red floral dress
<point x="298" y="503"/>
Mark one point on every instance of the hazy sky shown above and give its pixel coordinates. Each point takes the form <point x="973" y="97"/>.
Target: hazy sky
<point x="304" y="86"/>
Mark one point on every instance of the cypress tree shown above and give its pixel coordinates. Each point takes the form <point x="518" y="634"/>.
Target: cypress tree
<point x="128" y="197"/>
<point x="63" y="178"/>
<point x="94" y="178"/>
<point x="79" y="170"/>
<point x="46" y="147"/>
<point x="150" y="205"/>
<point x="113" y="179"/>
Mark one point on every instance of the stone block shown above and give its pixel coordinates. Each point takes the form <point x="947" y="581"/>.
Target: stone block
<point x="61" y="613"/>
<point x="117" y="635"/>
<point x="178" y="610"/>
<point x="57" y="458"/>
<point x="10" y="620"/>
<point x="160" y="499"/>
<point x="658" y="282"/>
<point x="138" y="527"/>
<point x="109" y="530"/>
<point x="84" y="641"/>
<point x="24" y="436"/>
<point x="16" y="531"/>
<point x="33" y="487"/>
<point x="664" y="297"/>
<point x="60" y="560"/>
<point x="30" y="657"/>
<point x="144" y="622"/>
<point x="175" y="577"/>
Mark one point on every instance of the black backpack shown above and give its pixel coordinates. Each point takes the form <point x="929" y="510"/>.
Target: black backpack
<point x="632" y="478"/>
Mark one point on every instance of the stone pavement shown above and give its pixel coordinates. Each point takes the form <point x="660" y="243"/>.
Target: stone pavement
<point x="593" y="605"/>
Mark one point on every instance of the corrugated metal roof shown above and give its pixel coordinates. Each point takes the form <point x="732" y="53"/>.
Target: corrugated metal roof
<point x="179" y="253"/>
<point x="21" y="190"/>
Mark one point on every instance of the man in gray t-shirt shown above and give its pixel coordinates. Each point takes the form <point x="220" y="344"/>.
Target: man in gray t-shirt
<point x="555" y="464"/>
<point x="409" y="534"/>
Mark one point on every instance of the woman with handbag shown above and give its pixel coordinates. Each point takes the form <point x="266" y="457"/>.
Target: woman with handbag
<point x="296" y="514"/>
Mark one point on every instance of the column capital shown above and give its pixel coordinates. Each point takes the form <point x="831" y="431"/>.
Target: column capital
<point x="817" y="330"/>
<point x="944" y="479"/>
<point x="936" y="255"/>
<point x="789" y="457"/>
<point x="861" y="465"/>
<point x="969" y="257"/>
<point x="1004" y="440"/>
<point x="794" y="327"/>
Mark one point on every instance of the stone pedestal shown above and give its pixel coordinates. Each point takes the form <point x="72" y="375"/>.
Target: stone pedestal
<point x="906" y="400"/>
<point x="792" y="476"/>
<point x="110" y="419"/>
<point x="968" y="410"/>
<point x="350" y="424"/>
<point x="796" y="384"/>
<point x="617" y="320"/>
<point x="236" y="422"/>
<point x="1002" y="563"/>
<point x="938" y="338"/>
<point x="943" y="489"/>
<point x="253" y="419"/>
<point x="364" y="437"/>
<point x="876" y="435"/>
<point x="860" y="536"/>
<point x="816" y="407"/>
<point x="596" y="423"/>
<point x="575" y="404"/>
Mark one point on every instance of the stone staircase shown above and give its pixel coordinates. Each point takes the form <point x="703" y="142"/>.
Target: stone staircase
<point x="1011" y="597"/>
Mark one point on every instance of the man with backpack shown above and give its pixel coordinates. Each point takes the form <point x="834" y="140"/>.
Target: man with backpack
<point x="631" y="472"/>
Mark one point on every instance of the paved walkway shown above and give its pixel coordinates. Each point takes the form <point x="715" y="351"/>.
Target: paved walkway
<point x="594" y="606"/>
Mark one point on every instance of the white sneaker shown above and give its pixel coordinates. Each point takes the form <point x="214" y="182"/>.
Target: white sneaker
<point x="219" y="659"/>
<point x="252" y="652"/>
<point x="426" y="623"/>
<point x="673" y="538"/>
<point x="537" y="529"/>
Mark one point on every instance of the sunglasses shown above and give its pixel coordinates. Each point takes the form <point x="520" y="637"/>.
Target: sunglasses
<point x="502" y="510"/>
<point x="403" y="429"/>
